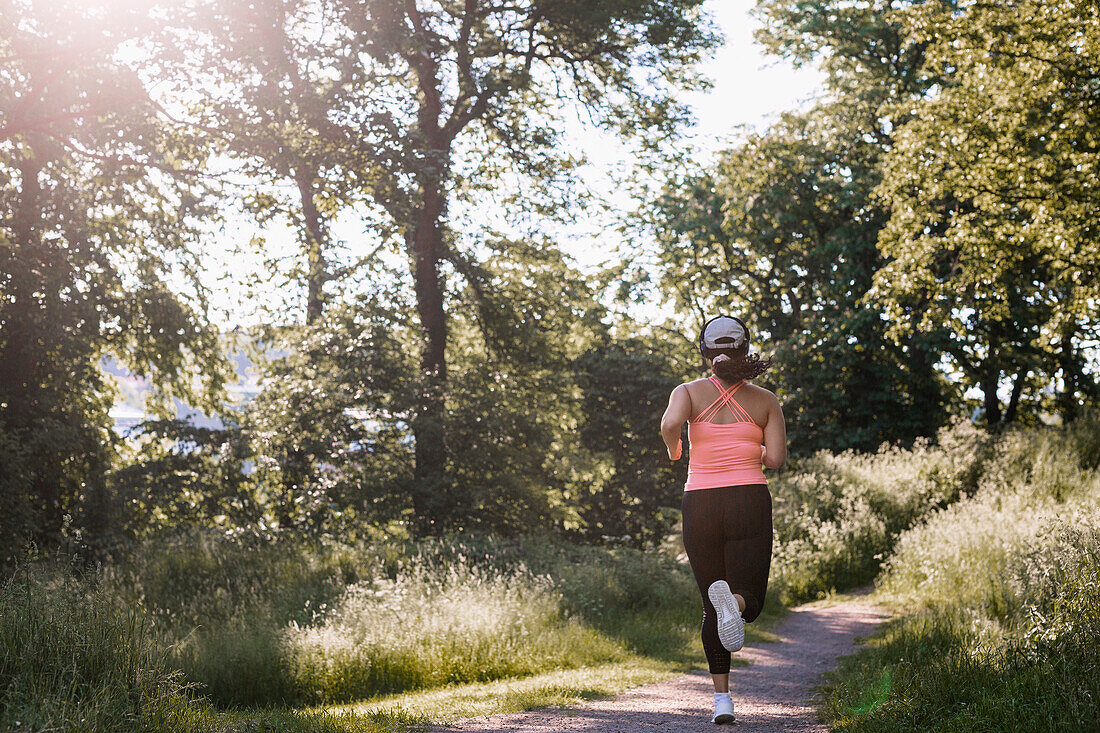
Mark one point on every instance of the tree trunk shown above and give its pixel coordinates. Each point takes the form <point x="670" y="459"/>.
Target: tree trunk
<point x="17" y="361"/>
<point x="923" y="385"/>
<point x="1074" y="379"/>
<point x="989" y="383"/>
<point x="315" y="242"/>
<point x="297" y="468"/>
<point x="21" y="368"/>
<point x="1014" y="400"/>
<point x="430" y="495"/>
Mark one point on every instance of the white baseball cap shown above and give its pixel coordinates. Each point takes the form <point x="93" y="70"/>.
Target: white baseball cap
<point x="725" y="332"/>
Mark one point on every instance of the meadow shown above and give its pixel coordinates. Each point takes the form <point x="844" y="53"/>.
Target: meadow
<point x="189" y="629"/>
<point x="334" y="336"/>
<point x="988" y="547"/>
<point x="998" y="600"/>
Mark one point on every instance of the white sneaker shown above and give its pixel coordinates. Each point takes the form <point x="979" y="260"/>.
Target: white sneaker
<point x="723" y="710"/>
<point x="731" y="627"/>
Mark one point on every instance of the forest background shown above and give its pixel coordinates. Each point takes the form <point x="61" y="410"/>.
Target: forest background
<point x="915" y="244"/>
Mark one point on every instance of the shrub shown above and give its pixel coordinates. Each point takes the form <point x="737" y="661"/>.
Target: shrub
<point x="1003" y="597"/>
<point x="1019" y="655"/>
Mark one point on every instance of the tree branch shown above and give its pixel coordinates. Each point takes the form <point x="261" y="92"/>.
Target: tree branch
<point x="9" y="131"/>
<point x="427" y="70"/>
<point x="127" y="160"/>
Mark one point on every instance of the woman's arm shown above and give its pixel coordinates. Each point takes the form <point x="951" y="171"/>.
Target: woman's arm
<point x="775" y="437"/>
<point x="676" y="414"/>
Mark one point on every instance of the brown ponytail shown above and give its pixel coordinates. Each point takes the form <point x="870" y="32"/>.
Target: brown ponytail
<point x="738" y="367"/>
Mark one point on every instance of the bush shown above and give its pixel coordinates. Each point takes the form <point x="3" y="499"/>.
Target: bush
<point x="1022" y="657"/>
<point x="961" y="553"/>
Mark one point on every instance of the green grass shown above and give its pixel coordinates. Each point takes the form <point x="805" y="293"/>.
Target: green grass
<point x="570" y="687"/>
<point x="72" y="658"/>
<point x="1000" y="601"/>
<point x="949" y="670"/>
<point x="334" y="623"/>
<point x="78" y="661"/>
<point x="197" y="633"/>
<point x="679" y="652"/>
<point x="205" y="633"/>
<point x="288" y="720"/>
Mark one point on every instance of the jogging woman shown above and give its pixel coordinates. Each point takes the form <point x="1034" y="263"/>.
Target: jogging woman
<point x="734" y="429"/>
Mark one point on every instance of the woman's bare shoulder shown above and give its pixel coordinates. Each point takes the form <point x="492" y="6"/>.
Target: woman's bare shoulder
<point x="688" y="385"/>
<point x="684" y="388"/>
<point x="694" y="384"/>
<point x="762" y="393"/>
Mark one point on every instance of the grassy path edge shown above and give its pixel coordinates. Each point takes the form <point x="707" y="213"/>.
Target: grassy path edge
<point x="554" y="688"/>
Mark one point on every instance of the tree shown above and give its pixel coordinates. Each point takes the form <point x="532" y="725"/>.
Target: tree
<point x="783" y="228"/>
<point x="287" y="95"/>
<point x="98" y="209"/>
<point x="625" y="384"/>
<point x="983" y="112"/>
<point x="182" y="476"/>
<point x="514" y="411"/>
<point x="782" y="231"/>
<point x="495" y="76"/>
<point x="328" y="429"/>
<point x="445" y="103"/>
<point x="873" y="66"/>
<point x="992" y="192"/>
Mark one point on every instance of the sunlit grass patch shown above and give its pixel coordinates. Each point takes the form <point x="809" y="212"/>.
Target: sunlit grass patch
<point x="298" y="623"/>
<point x="318" y="629"/>
<point x="288" y="720"/>
<point x="418" y="631"/>
<point x="566" y="688"/>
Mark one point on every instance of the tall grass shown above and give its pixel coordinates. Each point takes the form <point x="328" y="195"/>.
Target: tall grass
<point x="252" y="622"/>
<point x="1001" y="602"/>
<point x="413" y="631"/>
<point x="239" y="621"/>
<point x="77" y="661"/>
<point x="156" y="641"/>
<point x="837" y="516"/>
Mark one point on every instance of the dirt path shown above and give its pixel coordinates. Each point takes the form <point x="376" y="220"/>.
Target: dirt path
<point x="772" y="694"/>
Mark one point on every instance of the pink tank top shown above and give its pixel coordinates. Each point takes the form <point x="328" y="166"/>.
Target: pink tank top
<point x="724" y="455"/>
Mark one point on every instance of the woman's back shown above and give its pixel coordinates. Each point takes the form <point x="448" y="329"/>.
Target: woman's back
<point x="725" y="434"/>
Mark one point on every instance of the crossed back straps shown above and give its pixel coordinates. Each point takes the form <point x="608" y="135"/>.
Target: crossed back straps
<point x="725" y="399"/>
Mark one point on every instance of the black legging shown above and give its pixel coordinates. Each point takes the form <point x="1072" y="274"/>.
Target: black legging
<point x="728" y="536"/>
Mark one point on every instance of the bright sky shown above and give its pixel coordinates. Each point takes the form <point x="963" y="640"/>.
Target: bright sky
<point x="749" y="87"/>
<point x="749" y="90"/>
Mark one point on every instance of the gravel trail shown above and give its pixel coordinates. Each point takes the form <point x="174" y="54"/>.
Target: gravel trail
<point x="774" y="693"/>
